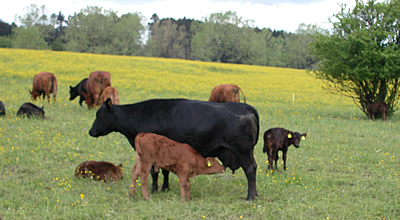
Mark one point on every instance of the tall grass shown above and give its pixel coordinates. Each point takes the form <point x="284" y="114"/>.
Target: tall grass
<point x="346" y="169"/>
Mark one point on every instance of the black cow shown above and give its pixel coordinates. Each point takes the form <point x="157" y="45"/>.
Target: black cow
<point x="30" y="109"/>
<point x="228" y="131"/>
<point x="2" y="109"/>
<point x="279" y="139"/>
<point x="78" y="90"/>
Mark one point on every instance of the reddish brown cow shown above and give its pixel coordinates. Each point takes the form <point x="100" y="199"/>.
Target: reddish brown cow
<point x="99" y="170"/>
<point x="279" y="139"/>
<point x="226" y="93"/>
<point x="110" y="92"/>
<point x="95" y="84"/>
<point x="374" y="108"/>
<point x="44" y="83"/>
<point x="162" y="152"/>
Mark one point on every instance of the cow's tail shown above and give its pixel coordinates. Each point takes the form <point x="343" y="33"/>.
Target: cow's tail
<point x="257" y="123"/>
<point x="137" y="144"/>
<point x="244" y="98"/>
<point x="55" y="86"/>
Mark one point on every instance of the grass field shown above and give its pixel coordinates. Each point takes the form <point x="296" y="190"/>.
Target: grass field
<point x="347" y="168"/>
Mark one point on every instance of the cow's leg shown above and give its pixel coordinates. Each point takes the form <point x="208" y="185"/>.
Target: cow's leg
<point x="284" y="159"/>
<point x="135" y="174"/>
<point x="144" y="176"/>
<point x="276" y="158"/>
<point x="154" y="175"/>
<point x="54" y="98"/>
<point x="144" y="179"/>
<point x="384" y="116"/>
<point x="81" y="100"/>
<point x="185" y="188"/>
<point x="270" y="159"/>
<point x="249" y="166"/>
<point x="165" y="186"/>
<point x="184" y="182"/>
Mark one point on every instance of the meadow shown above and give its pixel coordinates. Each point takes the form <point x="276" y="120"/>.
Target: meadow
<point x="347" y="168"/>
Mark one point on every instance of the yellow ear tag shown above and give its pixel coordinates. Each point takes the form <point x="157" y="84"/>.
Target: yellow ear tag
<point x="209" y="163"/>
<point x="303" y="138"/>
<point x="289" y="135"/>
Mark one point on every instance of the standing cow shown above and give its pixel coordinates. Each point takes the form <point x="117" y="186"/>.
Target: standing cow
<point x="44" y="83"/>
<point x="279" y="139"/>
<point x="375" y="108"/>
<point x="96" y="83"/>
<point x="226" y="93"/>
<point x="78" y="90"/>
<point x="2" y="109"/>
<point x="30" y="110"/>
<point x="162" y="152"/>
<point x="110" y="92"/>
<point x="228" y="131"/>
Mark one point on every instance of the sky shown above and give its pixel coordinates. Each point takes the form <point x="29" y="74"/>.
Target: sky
<point x="284" y="15"/>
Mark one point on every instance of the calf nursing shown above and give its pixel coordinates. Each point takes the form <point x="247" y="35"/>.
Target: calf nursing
<point x="162" y="152"/>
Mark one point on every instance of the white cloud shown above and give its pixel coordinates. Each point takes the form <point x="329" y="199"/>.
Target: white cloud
<point x="280" y="16"/>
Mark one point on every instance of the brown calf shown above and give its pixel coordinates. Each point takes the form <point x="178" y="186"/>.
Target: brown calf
<point x="95" y="85"/>
<point x="377" y="108"/>
<point x="279" y="139"/>
<point x="99" y="170"/>
<point x="226" y="93"/>
<point x="110" y="92"/>
<point x="162" y="152"/>
<point x="44" y="83"/>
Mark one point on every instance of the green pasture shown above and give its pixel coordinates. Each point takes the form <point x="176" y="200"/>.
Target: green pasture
<point x="347" y="168"/>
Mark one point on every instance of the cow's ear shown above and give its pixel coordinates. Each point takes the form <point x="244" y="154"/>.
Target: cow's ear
<point x="289" y="135"/>
<point x="42" y="106"/>
<point x="209" y="163"/>
<point x="108" y="103"/>
<point x="303" y="136"/>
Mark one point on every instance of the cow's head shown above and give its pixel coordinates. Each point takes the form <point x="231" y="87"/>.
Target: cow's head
<point x="295" y="137"/>
<point x="73" y="93"/>
<point x="211" y="166"/>
<point x="34" y="94"/>
<point x="105" y="120"/>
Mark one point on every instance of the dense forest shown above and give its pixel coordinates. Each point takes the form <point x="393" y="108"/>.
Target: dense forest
<point x="221" y="37"/>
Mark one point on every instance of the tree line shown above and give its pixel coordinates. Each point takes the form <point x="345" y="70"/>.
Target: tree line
<point x="222" y="37"/>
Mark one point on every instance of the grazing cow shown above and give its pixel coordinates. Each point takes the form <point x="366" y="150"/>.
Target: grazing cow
<point x="99" y="170"/>
<point x="110" y="92"/>
<point x="279" y="139"/>
<point x="96" y="83"/>
<point x="78" y="90"/>
<point x="30" y="109"/>
<point x="44" y="83"/>
<point x="374" y="108"/>
<point x="2" y="109"/>
<point x="228" y="131"/>
<point x="162" y="152"/>
<point x="226" y="93"/>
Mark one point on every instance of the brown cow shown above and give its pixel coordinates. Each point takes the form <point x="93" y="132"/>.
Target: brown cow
<point x="99" y="170"/>
<point x="95" y="85"/>
<point x="279" y="139"/>
<point x="110" y="92"/>
<point x="162" y="152"/>
<point x="374" y="108"/>
<point x="44" y="83"/>
<point x="226" y="93"/>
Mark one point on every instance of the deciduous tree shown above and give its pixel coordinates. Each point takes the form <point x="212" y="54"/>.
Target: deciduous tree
<point x="361" y="58"/>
